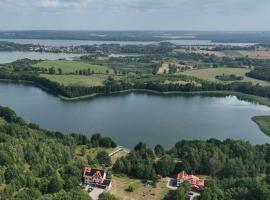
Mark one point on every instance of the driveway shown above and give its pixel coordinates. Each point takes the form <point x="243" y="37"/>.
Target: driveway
<point x="171" y="184"/>
<point x="95" y="193"/>
<point x="194" y="194"/>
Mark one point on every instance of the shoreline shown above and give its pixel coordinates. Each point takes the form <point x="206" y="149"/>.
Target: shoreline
<point x="262" y="100"/>
<point x="248" y="97"/>
<point x="242" y="96"/>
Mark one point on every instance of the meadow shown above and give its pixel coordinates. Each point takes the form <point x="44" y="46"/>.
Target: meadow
<point x="77" y="80"/>
<point x="141" y="191"/>
<point x="210" y="74"/>
<point x="263" y="122"/>
<point x="73" y="66"/>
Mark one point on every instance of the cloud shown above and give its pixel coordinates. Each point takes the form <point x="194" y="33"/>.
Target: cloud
<point x="136" y="14"/>
<point x="49" y="3"/>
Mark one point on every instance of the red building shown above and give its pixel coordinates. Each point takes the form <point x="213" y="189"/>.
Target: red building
<point x="96" y="178"/>
<point x="195" y="182"/>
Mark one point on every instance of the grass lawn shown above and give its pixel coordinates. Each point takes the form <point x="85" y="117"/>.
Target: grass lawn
<point x="121" y="183"/>
<point x="77" y="80"/>
<point x="73" y="66"/>
<point x="232" y="53"/>
<point x="263" y="122"/>
<point x="2" y="121"/>
<point x="211" y="73"/>
<point x="119" y="154"/>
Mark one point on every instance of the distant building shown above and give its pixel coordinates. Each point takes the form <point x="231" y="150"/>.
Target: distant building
<point x="96" y="178"/>
<point x="195" y="182"/>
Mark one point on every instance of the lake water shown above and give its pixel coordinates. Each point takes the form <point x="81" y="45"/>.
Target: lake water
<point x="7" y="57"/>
<point x="130" y="118"/>
<point x="63" y="43"/>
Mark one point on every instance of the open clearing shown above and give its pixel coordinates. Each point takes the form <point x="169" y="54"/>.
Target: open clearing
<point x="165" y="68"/>
<point x="263" y="122"/>
<point x="77" y="80"/>
<point x="211" y="73"/>
<point x="120" y="184"/>
<point x="73" y="66"/>
<point x="262" y="54"/>
<point x="2" y="121"/>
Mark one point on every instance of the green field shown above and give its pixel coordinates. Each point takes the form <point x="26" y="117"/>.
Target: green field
<point x="2" y="121"/>
<point x="77" y="80"/>
<point x="73" y="66"/>
<point x="232" y="53"/>
<point x="264" y="123"/>
<point x="210" y="74"/>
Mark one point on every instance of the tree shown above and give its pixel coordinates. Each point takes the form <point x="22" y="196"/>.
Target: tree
<point x="103" y="158"/>
<point x="95" y="139"/>
<point x="165" y="166"/>
<point x="107" y="142"/>
<point x="51" y="70"/>
<point x="11" y="173"/>
<point x="107" y="196"/>
<point x="60" y="71"/>
<point x="159" y="150"/>
<point x="130" y="188"/>
<point x="55" y="183"/>
<point x="119" y="166"/>
<point x="27" y="194"/>
<point x="8" y="114"/>
<point x="212" y="192"/>
<point x="140" y="147"/>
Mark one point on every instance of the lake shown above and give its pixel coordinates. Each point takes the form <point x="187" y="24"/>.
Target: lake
<point x="130" y="118"/>
<point x="7" y="56"/>
<point x="65" y="43"/>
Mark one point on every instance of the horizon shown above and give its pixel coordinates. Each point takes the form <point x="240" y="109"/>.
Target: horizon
<point x="137" y="30"/>
<point x="171" y="15"/>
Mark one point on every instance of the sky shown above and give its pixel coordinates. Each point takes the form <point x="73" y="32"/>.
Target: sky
<point x="230" y="15"/>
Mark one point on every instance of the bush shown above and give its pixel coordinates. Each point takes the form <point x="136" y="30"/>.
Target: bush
<point x="130" y="188"/>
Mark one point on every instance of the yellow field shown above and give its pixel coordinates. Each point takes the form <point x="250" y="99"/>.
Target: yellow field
<point x="211" y="73"/>
<point x="120" y="184"/>
<point x="262" y="54"/>
<point x="77" y="80"/>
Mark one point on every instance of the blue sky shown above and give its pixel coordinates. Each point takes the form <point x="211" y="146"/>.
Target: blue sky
<point x="135" y="14"/>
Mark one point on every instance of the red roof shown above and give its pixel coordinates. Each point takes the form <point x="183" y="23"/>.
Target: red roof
<point x="195" y="181"/>
<point x="89" y="173"/>
<point x="182" y="175"/>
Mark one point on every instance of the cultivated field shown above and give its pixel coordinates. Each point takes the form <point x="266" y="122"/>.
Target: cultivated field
<point x="262" y="54"/>
<point x="165" y="68"/>
<point x="73" y="66"/>
<point x="211" y="73"/>
<point x="121" y="183"/>
<point x="77" y="80"/>
<point x="227" y="53"/>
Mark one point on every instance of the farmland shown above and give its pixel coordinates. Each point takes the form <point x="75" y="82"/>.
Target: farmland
<point x="77" y="80"/>
<point x="210" y="74"/>
<point x="73" y="66"/>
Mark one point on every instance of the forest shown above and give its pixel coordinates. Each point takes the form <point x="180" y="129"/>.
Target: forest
<point x="22" y="70"/>
<point x="40" y="164"/>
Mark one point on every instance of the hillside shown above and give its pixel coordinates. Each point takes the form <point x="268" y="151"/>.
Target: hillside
<point x="38" y="164"/>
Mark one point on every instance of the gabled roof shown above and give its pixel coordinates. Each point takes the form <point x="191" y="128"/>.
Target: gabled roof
<point x="182" y="175"/>
<point x="90" y="173"/>
<point x="193" y="180"/>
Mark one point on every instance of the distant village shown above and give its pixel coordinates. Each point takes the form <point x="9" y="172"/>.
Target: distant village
<point x="58" y="49"/>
